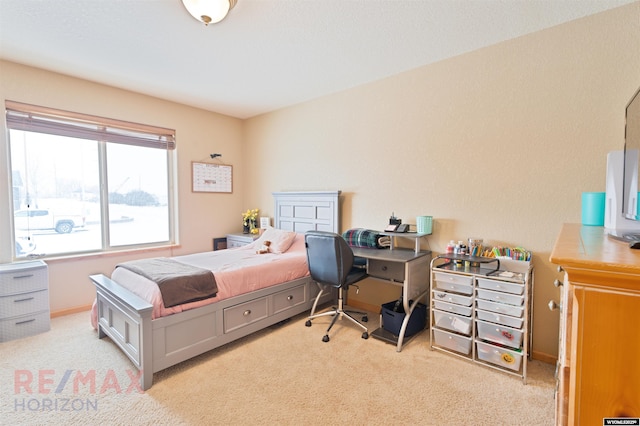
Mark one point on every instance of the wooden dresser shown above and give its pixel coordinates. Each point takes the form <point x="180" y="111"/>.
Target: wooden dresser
<point x="599" y="353"/>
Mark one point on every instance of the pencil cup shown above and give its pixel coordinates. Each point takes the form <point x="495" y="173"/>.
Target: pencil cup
<point x="424" y="224"/>
<point x="593" y="208"/>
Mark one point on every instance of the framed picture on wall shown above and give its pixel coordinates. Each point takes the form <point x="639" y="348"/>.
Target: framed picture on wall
<point x="208" y="177"/>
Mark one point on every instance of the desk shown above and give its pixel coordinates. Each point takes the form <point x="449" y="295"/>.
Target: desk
<point x="404" y="268"/>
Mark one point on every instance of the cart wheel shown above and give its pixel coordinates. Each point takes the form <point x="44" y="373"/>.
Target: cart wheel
<point x="365" y="319"/>
<point x="365" y="335"/>
<point x="308" y="323"/>
<point x="325" y="338"/>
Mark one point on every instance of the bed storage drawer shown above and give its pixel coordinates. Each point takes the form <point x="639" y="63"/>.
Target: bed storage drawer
<point x="289" y="298"/>
<point x="245" y="313"/>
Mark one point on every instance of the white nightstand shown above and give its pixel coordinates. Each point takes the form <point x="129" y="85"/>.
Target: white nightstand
<point x="239" y="240"/>
<point x="24" y="299"/>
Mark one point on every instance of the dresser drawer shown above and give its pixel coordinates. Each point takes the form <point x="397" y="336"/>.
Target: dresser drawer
<point x="289" y="298"/>
<point x="452" y="341"/>
<point x="21" y="278"/>
<point x="386" y="270"/>
<point x="499" y="319"/>
<point x="451" y="282"/>
<point x="496" y="296"/>
<point x="499" y="334"/>
<point x="453" y="322"/>
<point x="23" y="304"/>
<point x="500" y="308"/>
<point x="245" y="313"/>
<point x="24" y="325"/>
<point x="503" y="286"/>
<point x="452" y="307"/>
<point x="452" y="298"/>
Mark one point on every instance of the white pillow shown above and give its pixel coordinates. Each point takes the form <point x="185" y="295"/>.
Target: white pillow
<point x="280" y="240"/>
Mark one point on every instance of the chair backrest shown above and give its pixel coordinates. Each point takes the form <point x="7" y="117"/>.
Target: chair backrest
<point x="329" y="257"/>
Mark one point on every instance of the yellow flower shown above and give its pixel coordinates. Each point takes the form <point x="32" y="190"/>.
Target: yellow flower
<point x="251" y="215"/>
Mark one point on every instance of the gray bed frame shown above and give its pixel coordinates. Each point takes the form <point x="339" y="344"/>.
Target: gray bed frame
<point x="153" y="345"/>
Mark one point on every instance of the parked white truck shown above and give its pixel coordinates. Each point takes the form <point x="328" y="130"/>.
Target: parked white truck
<point x="40" y="219"/>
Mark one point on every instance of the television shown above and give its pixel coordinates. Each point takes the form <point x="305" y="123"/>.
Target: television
<point x="622" y="209"/>
<point x="631" y="174"/>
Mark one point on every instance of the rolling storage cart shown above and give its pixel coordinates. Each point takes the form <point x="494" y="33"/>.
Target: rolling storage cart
<point x="481" y="310"/>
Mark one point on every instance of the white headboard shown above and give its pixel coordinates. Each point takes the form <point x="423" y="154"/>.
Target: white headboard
<point x="304" y="211"/>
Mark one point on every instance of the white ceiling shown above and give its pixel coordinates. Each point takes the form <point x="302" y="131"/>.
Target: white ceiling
<point x="267" y="54"/>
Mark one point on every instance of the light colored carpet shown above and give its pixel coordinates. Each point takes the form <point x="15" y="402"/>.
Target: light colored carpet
<point x="280" y="376"/>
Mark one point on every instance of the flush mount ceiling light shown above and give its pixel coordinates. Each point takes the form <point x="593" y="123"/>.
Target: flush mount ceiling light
<point x="209" y="11"/>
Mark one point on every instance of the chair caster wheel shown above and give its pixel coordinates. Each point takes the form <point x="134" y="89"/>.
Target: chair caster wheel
<point x="365" y="335"/>
<point x="325" y="338"/>
<point x="365" y="319"/>
<point x="308" y="323"/>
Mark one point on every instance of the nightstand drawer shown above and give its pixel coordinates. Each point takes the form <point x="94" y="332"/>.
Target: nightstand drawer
<point x="386" y="270"/>
<point x="239" y="240"/>
<point x="21" y="278"/>
<point x="22" y="326"/>
<point x="24" y="304"/>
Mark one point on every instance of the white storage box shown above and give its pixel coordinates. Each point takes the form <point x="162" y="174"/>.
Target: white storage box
<point x="497" y="333"/>
<point x="452" y="341"/>
<point x="453" y="322"/>
<point x="497" y="296"/>
<point x="500" y="308"/>
<point x="452" y="282"/>
<point x="498" y="285"/>
<point x="499" y="356"/>
<point x="499" y="318"/>
<point x="452" y="307"/>
<point x="452" y="298"/>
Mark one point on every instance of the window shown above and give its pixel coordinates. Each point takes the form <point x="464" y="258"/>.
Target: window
<point x="84" y="184"/>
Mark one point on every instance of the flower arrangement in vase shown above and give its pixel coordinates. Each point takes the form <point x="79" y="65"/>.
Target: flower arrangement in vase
<point x="249" y="219"/>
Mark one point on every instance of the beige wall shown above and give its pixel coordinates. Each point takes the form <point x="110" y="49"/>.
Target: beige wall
<point x="202" y="216"/>
<point x="495" y="144"/>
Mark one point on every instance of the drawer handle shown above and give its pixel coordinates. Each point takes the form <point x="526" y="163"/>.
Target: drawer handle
<point x="290" y="297"/>
<point x="17" y="277"/>
<point x="247" y="312"/>
<point x="553" y="305"/>
<point x="557" y="283"/>
<point x="26" y="321"/>
<point x="23" y="300"/>
<point x="384" y="268"/>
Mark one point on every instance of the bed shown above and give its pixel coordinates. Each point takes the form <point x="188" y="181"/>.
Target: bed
<point x="155" y="340"/>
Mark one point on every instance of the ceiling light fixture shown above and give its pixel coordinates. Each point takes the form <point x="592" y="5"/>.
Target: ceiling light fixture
<point x="209" y="11"/>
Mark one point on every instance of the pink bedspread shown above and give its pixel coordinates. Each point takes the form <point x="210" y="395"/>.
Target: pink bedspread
<point x="237" y="271"/>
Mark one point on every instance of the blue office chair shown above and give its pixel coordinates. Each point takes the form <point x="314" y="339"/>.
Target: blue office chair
<point x="331" y="265"/>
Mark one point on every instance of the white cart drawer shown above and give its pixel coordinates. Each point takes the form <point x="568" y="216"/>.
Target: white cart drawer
<point x="500" y="308"/>
<point x="24" y="304"/>
<point x="501" y="334"/>
<point x="452" y="298"/>
<point x="289" y="298"/>
<point x="244" y="314"/>
<point x="499" y="356"/>
<point x="452" y="282"/>
<point x="504" y="286"/>
<point x="20" y="278"/>
<point x="499" y="319"/>
<point x="451" y="341"/>
<point x="24" y="325"/>
<point x="496" y="296"/>
<point x="453" y="322"/>
<point x="452" y="307"/>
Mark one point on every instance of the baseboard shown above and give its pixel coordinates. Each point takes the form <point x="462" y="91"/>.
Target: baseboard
<point x="541" y="356"/>
<point x="70" y="311"/>
<point x="364" y="306"/>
